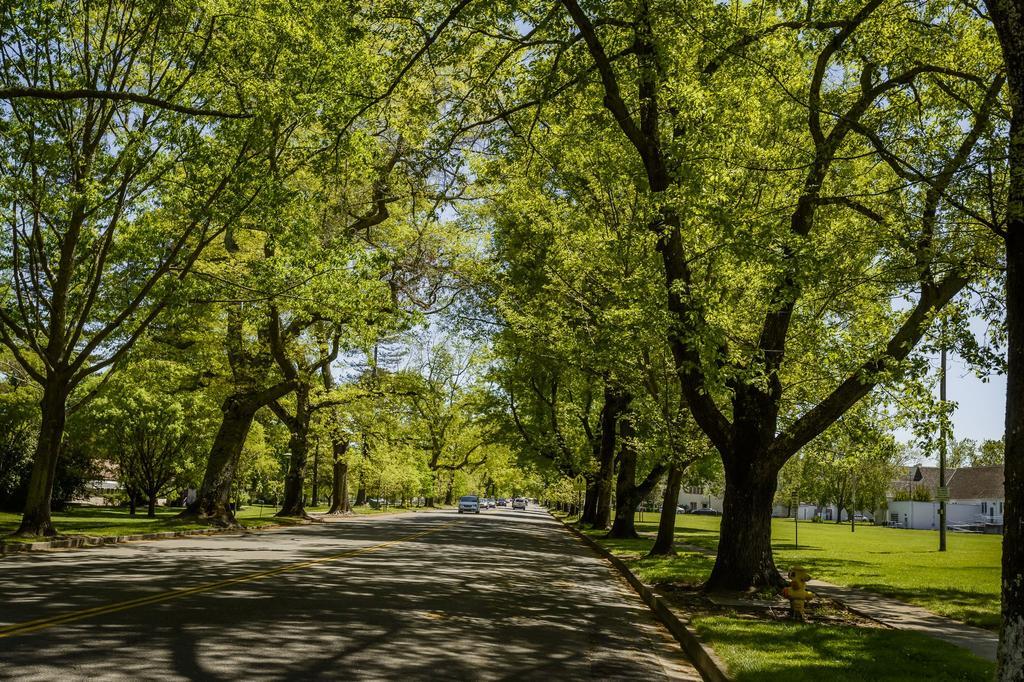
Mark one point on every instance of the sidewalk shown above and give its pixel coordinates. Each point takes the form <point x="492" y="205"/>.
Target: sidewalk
<point x="902" y="616"/>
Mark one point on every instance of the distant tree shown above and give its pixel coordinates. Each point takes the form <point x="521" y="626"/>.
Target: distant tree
<point x="961" y="453"/>
<point x="152" y="426"/>
<point x="989" y="453"/>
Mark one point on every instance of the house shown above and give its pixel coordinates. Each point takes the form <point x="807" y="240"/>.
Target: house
<point x="976" y="499"/>
<point x="100" y="490"/>
<point x="699" y="498"/>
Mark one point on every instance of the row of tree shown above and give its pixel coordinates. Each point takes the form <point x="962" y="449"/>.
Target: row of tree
<point x="688" y="231"/>
<point x="739" y="229"/>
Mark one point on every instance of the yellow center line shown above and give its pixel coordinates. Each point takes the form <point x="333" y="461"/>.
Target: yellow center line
<point x="30" y="626"/>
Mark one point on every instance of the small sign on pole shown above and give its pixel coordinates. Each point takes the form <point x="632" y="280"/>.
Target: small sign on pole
<point x="942" y="494"/>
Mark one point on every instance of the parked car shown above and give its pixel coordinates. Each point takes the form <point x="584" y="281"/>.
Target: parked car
<point x="860" y="518"/>
<point x="502" y="502"/>
<point x="682" y="510"/>
<point x="519" y="503"/>
<point x="707" y="511"/>
<point x="469" y="504"/>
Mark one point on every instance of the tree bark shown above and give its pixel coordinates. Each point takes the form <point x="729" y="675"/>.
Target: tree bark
<point x="151" y="506"/>
<point x="1011" y="636"/>
<point x="664" y="544"/>
<point x="449" y="491"/>
<point x="294" y="503"/>
<point x="745" y="541"/>
<point x="36" y="520"/>
<point x="629" y="495"/>
<point x="294" y="500"/>
<point x="590" y="502"/>
<point x="1008" y="19"/>
<point x="239" y="410"/>
<point x="615" y="403"/>
<point x="339" y="482"/>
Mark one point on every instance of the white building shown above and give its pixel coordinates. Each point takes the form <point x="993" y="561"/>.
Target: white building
<point x="976" y="499"/>
<point x="699" y="498"/>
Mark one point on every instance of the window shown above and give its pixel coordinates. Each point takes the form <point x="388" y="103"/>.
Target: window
<point x="984" y="507"/>
<point x="894" y="517"/>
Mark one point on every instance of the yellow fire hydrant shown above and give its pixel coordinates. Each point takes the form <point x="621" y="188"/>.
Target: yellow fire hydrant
<point x="797" y="592"/>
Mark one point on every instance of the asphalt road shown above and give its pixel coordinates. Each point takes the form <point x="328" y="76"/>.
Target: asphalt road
<point x="435" y="595"/>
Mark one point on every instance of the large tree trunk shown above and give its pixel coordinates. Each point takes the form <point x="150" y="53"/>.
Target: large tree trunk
<point x="664" y="544"/>
<point x="151" y="506"/>
<point x="629" y="495"/>
<point x="298" y="443"/>
<point x="1011" y="634"/>
<point x="35" y="520"/>
<point x="339" y="482"/>
<point x="1008" y="18"/>
<point x="212" y="501"/>
<point x="589" y="502"/>
<point x="745" y="541"/>
<point x="615" y="403"/>
<point x="294" y="502"/>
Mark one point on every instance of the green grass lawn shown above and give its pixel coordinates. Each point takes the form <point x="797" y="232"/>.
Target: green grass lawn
<point x="961" y="583"/>
<point x="116" y="520"/>
<point x="99" y="521"/>
<point x="797" y="652"/>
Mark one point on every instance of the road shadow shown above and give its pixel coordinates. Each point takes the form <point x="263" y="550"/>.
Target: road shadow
<point x="499" y="595"/>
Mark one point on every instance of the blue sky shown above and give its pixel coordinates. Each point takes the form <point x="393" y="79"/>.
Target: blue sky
<point x="981" y="406"/>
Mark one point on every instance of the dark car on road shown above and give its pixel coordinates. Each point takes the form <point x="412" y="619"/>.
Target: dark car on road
<point x="707" y="511"/>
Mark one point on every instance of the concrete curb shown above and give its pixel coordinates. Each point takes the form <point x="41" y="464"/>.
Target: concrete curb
<point x="711" y="667"/>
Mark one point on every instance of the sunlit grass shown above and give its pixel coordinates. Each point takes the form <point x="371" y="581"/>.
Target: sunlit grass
<point x="786" y="651"/>
<point x="106" y="521"/>
<point x="961" y="583"/>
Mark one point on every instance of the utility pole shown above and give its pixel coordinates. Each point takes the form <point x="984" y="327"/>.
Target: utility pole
<point x="942" y="444"/>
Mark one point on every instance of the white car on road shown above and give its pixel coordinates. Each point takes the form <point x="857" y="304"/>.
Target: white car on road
<point x="519" y="503"/>
<point x="469" y="504"/>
